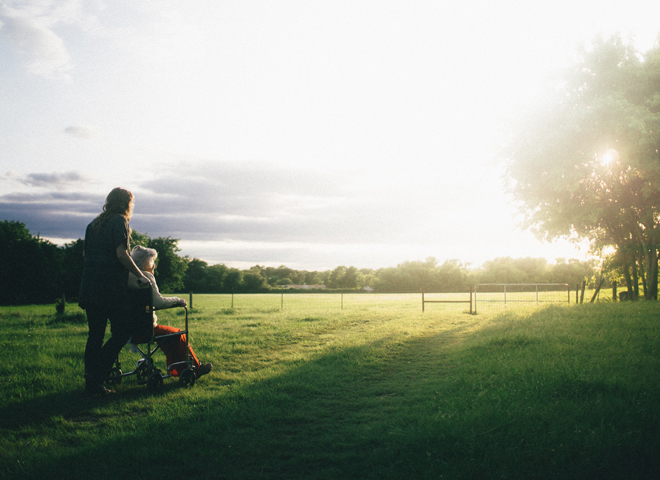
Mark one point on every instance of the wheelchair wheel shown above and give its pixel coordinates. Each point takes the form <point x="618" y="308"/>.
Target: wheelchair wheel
<point x="115" y="376"/>
<point x="155" y="381"/>
<point x="187" y="377"/>
<point x="142" y="371"/>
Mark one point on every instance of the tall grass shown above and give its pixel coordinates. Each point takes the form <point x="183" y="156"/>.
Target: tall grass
<point x="372" y="391"/>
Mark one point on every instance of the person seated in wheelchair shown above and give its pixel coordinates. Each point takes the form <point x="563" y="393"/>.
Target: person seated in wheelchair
<point x="174" y="347"/>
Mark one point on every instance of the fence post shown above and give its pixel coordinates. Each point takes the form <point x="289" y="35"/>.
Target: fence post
<point x="584" y="285"/>
<point x="475" y="299"/>
<point x="191" y="300"/>
<point x="614" y="294"/>
<point x="422" y="300"/>
<point x="597" y="290"/>
<point x="470" y="299"/>
<point x="537" y="294"/>
<point x="282" y="303"/>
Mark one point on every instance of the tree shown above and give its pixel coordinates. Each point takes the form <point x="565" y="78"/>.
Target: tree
<point x="391" y="279"/>
<point x="215" y="278"/>
<point x="585" y="164"/>
<point x="233" y="280"/>
<point x="196" y="278"/>
<point x="171" y="267"/>
<point x="335" y="280"/>
<point x="73" y="264"/>
<point x="141" y="239"/>
<point x="350" y="278"/>
<point x="573" y="272"/>
<point x="368" y="277"/>
<point x="31" y="267"/>
<point x="452" y="276"/>
<point x="312" y="278"/>
<point x="253" y="280"/>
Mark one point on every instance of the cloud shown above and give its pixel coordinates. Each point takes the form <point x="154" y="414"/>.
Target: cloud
<point x="252" y="202"/>
<point x="243" y="189"/>
<point x="9" y="176"/>
<point x="30" y="29"/>
<point x="227" y="201"/>
<point x="30" y="25"/>
<point x="52" y="214"/>
<point x="59" y="181"/>
<point x="268" y="212"/>
<point x="81" y="131"/>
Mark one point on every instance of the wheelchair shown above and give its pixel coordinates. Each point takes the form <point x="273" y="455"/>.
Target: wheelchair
<point x="146" y="372"/>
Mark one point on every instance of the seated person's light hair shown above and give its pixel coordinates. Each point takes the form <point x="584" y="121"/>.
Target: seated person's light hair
<point x="143" y="256"/>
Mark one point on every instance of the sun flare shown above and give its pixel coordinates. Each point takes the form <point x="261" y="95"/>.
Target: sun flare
<point x="610" y="156"/>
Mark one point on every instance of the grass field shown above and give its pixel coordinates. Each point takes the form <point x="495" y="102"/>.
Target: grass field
<point x="375" y="389"/>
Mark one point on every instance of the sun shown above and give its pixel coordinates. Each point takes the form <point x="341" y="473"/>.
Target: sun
<point x="610" y="156"/>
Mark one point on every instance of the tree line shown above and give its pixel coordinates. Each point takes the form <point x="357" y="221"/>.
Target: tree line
<point x="35" y="271"/>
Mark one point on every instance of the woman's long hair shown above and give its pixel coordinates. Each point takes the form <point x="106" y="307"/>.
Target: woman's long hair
<point x="118" y="202"/>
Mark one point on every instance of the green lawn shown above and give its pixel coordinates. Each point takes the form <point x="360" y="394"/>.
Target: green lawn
<point x="374" y="390"/>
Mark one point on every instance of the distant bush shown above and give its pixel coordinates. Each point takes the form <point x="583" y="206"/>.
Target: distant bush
<point x="60" y="305"/>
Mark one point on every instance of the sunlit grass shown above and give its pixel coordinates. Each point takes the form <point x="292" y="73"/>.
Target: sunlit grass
<point x="374" y="390"/>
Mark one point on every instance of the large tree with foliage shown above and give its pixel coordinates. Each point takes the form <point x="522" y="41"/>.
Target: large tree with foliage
<point x="31" y="267"/>
<point x="196" y="278"/>
<point x="254" y="280"/>
<point x="73" y="266"/>
<point x="585" y="163"/>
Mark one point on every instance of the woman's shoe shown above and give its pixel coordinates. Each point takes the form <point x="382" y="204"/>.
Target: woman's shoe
<point x="203" y="369"/>
<point x="98" y="390"/>
<point x="95" y="388"/>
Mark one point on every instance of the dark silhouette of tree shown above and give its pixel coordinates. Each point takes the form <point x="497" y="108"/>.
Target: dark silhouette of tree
<point x="31" y="267"/>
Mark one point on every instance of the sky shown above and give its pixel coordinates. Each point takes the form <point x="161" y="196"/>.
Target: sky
<point x="308" y="133"/>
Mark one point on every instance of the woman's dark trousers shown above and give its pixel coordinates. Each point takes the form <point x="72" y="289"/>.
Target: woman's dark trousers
<point x="99" y="358"/>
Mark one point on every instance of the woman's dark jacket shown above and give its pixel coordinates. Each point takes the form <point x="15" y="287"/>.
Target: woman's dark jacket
<point x="104" y="280"/>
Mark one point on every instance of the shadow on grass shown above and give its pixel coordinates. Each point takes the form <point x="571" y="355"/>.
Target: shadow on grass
<point x="419" y="411"/>
<point x="71" y="405"/>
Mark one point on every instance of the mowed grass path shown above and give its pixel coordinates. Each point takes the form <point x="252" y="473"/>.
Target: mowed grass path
<point x="377" y="390"/>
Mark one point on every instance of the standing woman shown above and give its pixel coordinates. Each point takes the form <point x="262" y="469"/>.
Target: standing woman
<point x="103" y="290"/>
